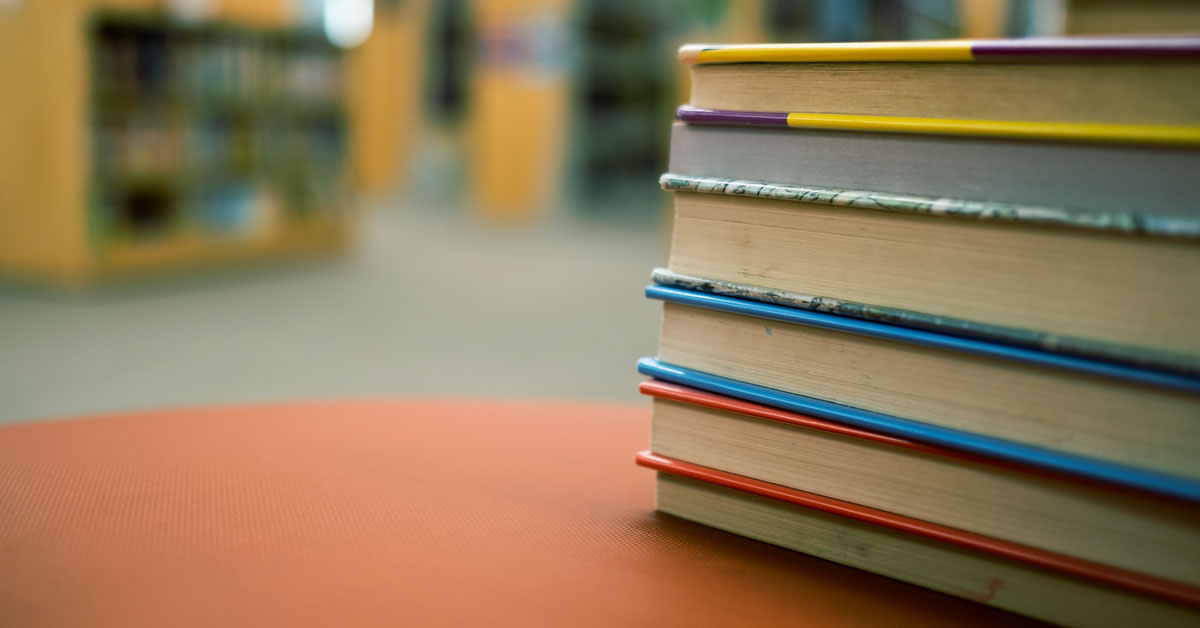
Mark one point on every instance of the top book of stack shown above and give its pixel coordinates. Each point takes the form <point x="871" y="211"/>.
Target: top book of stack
<point x="1032" y="80"/>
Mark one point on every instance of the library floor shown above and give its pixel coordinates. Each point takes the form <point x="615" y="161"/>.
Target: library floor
<point x="430" y="304"/>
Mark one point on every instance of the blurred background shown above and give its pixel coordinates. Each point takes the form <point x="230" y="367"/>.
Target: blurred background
<point x="218" y="201"/>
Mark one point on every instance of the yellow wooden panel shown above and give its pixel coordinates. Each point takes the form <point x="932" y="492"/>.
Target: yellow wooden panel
<point x="45" y="151"/>
<point x="518" y="136"/>
<point x="519" y="111"/>
<point x="258" y="12"/>
<point x="44" y="154"/>
<point x="982" y="19"/>
<point x="384" y="76"/>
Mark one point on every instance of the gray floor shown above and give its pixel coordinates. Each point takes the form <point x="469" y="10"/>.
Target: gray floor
<point x="431" y="304"/>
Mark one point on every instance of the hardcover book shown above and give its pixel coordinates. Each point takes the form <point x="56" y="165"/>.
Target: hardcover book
<point x="1113" y="285"/>
<point x="1126" y="81"/>
<point x="894" y="378"/>
<point x="970" y="566"/>
<point x="1146" y="181"/>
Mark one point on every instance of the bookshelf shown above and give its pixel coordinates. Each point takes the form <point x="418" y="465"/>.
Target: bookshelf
<point x="624" y="86"/>
<point x="143" y="143"/>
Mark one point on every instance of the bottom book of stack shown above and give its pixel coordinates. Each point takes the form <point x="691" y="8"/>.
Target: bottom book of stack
<point x="1041" y="543"/>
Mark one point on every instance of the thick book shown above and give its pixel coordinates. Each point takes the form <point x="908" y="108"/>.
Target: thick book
<point x="1116" y="423"/>
<point x="1128" y="81"/>
<point x="1117" y="285"/>
<point x="1006" y="575"/>
<point x="1056" y="512"/>
<point x="1142" y="181"/>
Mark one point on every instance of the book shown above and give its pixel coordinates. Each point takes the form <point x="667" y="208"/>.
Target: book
<point x="974" y="567"/>
<point x="919" y="384"/>
<point x="1129" y="81"/>
<point x="1114" y="285"/>
<point x="1142" y="181"/>
<point x="1057" y="512"/>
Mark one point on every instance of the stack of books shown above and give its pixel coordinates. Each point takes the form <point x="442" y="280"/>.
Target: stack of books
<point x="932" y="310"/>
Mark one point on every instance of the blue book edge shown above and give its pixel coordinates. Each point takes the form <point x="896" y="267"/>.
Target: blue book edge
<point x="921" y="337"/>
<point x="1028" y="455"/>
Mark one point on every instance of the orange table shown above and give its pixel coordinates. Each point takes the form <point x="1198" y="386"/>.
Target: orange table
<point x="391" y="513"/>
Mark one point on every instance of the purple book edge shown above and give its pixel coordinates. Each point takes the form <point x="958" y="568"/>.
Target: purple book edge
<point x="687" y="113"/>
<point x="1083" y="48"/>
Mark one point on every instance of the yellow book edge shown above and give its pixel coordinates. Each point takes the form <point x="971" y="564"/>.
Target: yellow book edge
<point x="1090" y="132"/>
<point x="1038" y="50"/>
<point x="940" y="50"/>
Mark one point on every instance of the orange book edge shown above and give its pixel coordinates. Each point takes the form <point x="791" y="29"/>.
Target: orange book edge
<point x="1122" y="578"/>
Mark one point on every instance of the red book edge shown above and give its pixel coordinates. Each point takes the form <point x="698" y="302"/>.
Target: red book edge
<point x="692" y="396"/>
<point x="1066" y="564"/>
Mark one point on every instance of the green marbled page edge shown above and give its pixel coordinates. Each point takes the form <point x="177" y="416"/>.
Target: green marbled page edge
<point x="1130" y="222"/>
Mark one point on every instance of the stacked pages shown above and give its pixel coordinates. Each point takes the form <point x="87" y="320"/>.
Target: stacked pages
<point x="932" y="310"/>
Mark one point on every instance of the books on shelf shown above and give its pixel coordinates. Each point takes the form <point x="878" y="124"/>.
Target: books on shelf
<point x="931" y="311"/>
<point x="212" y="129"/>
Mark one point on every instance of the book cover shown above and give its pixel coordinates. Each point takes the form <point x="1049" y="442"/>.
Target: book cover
<point x="1178" y="135"/>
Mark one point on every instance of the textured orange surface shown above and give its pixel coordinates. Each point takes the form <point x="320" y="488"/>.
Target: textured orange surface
<point x="391" y="514"/>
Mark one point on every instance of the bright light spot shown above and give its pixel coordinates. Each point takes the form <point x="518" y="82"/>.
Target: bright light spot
<point x="348" y="22"/>
<point x="191" y="10"/>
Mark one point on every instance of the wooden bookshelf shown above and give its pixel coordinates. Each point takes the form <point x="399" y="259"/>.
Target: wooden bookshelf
<point x="137" y="142"/>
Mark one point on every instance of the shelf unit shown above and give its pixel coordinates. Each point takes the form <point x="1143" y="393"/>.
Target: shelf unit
<point x="140" y="143"/>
